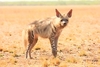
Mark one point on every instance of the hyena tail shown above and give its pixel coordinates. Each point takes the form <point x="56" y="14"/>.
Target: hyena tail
<point x="25" y="38"/>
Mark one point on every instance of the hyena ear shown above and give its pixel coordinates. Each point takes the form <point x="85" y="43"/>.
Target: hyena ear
<point x="58" y="14"/>
<point x="69" y="14"/>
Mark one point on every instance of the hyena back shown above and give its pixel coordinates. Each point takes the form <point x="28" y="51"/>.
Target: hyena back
<point x="49" y="28"/>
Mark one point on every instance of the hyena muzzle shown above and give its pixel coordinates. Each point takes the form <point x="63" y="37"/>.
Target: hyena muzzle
<point x="49" y="28"/>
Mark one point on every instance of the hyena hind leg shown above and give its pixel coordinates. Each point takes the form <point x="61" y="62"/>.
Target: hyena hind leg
<point x="30" y="48"/>
<point x="32" y="39"/>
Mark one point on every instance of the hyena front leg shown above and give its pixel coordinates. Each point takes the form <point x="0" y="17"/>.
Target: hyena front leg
<point x="53" y="41"/>
<point x="32" y="39"/>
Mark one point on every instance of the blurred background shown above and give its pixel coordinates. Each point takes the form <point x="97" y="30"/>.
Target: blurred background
<point x="48" y="2"/>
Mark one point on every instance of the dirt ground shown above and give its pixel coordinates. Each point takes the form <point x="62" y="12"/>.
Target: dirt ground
<point x="78" y="46"/>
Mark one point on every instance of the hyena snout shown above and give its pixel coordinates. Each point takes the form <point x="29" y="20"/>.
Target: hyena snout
<point x="64" y="23"/>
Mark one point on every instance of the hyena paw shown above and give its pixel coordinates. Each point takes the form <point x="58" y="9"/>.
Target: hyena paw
<point x="54" y="53"/>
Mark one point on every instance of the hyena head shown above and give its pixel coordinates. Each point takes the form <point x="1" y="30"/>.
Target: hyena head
<point x="62" y="20"/>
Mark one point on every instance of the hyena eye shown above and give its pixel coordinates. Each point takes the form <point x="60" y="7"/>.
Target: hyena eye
<point x="64" y="20"/>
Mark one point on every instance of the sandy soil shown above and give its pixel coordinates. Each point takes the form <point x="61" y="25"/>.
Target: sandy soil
<point x="79" y="43"/>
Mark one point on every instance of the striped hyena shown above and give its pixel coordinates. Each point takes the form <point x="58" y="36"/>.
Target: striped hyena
<point x="49" y="28"/>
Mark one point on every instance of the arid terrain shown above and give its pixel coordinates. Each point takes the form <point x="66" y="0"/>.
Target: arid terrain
<point x="78" y="46"/>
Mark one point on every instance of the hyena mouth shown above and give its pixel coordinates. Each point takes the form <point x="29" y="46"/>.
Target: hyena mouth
<point x="65" y="24"/>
